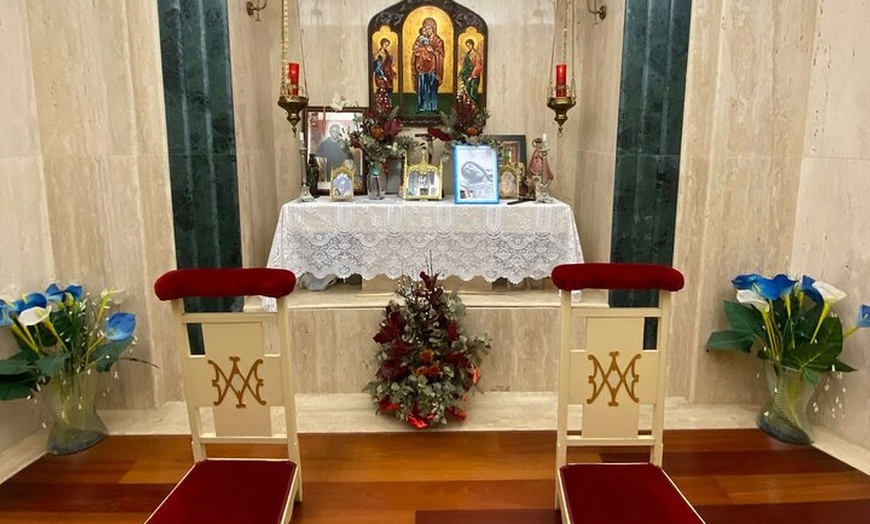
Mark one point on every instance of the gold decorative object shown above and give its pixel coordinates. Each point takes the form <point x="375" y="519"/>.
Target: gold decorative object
<point x="294" y="90"/>
<point x="255" y="8"/>
<point x="224" y="383"/>
<point x="562" y="96"/>
<point x="294" y="105"/>
<point x="423" y="181"/>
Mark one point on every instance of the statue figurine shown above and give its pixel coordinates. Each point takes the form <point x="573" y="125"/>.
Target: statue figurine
<point x="538" y="173"/>
<point x="312" y="175"/>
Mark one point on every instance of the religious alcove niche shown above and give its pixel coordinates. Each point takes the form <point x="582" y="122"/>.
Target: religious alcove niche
<point x="427" y="57"/>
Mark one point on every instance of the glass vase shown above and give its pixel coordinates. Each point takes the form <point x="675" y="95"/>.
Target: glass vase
<point x="75" y="423"/>
<point x="376" y="182"/>
<point x="784" y="415"/>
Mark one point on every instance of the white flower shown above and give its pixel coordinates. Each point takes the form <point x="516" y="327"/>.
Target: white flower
<point x="830" y="294"/>
<point x="33" y="316"/>
<point x="747" y="296"/>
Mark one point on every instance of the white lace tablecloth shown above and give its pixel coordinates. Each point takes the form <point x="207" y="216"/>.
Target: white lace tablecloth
<point x="394" y="237"/>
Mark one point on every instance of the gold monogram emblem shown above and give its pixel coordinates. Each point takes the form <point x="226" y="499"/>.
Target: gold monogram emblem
<point x="597" y="387"/>
<point x="229" y="382"/>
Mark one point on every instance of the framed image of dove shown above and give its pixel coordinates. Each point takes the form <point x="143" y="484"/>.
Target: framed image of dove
<point x="475" y="174"/>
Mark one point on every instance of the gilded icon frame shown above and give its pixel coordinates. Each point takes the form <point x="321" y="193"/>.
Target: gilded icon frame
<point x="415" y="46"/>
<point x="422" y="181"/>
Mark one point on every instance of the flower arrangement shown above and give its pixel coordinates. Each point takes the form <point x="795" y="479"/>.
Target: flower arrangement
<point x="426" y="362"/>
<point x="60" y="333"/>
<point x="791" y="322"/>
<point x="378" y="136"/>
<point x="464" y="125"/>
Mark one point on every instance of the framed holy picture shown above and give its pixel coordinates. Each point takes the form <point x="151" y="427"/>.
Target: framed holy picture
<point x="327" y="132"/>
<point x="341" y="183"/>
<point x="422" y="181"/>
<point x="475" y="174"/>
<point x="427" y="57"/>
<point x="513" y="148"/>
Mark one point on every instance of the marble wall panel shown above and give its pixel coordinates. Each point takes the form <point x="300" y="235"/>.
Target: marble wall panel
<point x="98" y="93"/>
<point x="26" y="244"/>
<point x="334" y="352"/>
<point x="20" y="135"/>
<point x="834" y="247"/>
<point x="742" y="150"/>
<point x="593" y="209"/>
<point x="840" y="81"/>
<point x="253" y="111"/>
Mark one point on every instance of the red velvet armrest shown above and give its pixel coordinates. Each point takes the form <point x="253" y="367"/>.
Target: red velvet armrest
<point x="571" y="277"/>
<point x="224" y="282"/>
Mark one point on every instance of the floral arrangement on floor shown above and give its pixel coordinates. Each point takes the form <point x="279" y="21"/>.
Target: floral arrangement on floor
<point x="60" y="333"/>
<point x="426" y="361"/>
<point x="377" y="135"/>
<point x="791" y="322"/>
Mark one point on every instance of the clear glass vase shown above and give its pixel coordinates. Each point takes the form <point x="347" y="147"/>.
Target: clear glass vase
<point x="75" y="423"/>
<point x="376" y="182"/>
<point x="784" y="415"/>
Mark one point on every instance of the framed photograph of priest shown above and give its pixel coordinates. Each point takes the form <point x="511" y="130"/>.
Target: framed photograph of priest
<point x="328" y="130"/>
<point x="475" y="174"/>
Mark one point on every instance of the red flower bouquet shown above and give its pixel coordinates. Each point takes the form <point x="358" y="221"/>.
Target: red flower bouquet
<point x="426" y="362"/>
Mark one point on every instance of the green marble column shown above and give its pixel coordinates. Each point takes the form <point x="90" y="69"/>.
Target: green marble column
<point x="654" y="55"/>
<point x="194" y="38"/>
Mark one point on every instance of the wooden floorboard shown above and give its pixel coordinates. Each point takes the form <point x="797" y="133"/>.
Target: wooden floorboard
<point x="731" y="476"/>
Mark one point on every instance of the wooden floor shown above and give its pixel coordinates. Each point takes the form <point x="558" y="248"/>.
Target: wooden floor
<point x="731" y="476"/>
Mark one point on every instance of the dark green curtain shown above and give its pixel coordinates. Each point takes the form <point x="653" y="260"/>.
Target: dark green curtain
<point x="194" y="40"/>
<point x="654" y="55"/>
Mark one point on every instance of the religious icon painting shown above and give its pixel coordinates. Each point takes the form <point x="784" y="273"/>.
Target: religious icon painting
<point x="422" y="181"/>
<point x="328" y="131"/>
<point x="427" y="57"/>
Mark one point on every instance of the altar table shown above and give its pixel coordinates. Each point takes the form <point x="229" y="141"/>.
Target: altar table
<point x="395" y="237"/>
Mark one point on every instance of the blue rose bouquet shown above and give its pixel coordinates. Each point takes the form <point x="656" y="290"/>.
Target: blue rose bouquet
<point x="60" y="333"/>
<point x="791" y="323"/>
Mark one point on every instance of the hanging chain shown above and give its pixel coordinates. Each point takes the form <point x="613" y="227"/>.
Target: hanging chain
<point x="285" y="30"/>
<point x="565" y="34"/>
<point x="303" y="85"/>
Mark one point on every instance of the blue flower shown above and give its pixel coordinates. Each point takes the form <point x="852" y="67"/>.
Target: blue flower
<point x="810" y="290"/>
<point x="120" y="326"/>
<point x="5" y="314"/>
<point x="30" y="300"/>
<point x="745" y="281"/>
<point x="863" y="316"/>
<point x="55" y="294"/>
<point x="776" y="287"/>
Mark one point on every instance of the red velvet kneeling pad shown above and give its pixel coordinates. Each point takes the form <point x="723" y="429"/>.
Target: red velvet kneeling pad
<point x="229" y="491"/>
<point x="623" y="494"/>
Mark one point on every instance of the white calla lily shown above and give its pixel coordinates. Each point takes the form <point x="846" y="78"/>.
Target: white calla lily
<point x="748" y="296"/>
<point x="33" y="316"/>
<point x="830" y="294"/>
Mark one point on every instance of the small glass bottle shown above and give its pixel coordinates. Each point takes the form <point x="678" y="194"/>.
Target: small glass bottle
<point x="375" y="185"/>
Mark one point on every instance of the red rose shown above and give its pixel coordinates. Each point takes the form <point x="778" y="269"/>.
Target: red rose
<point x="386" y="406"/>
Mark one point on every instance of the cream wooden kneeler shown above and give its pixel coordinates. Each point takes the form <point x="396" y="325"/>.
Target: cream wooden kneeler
<point x="240" y="391"/>
<point x="609" y="378"/>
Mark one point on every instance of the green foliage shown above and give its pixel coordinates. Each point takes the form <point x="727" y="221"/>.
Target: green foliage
<point x="788" y="323"/>
<point x="426" y="361"/>
<point x="59" y="333"/>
